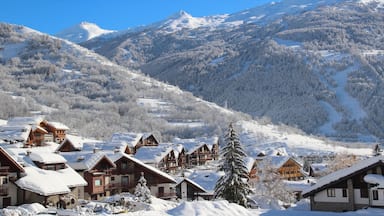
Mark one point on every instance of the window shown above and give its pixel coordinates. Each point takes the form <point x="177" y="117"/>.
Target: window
<point x="4" y="180"/>
<point x="331" y="192"/>
<point x="345" y="192"/>
<point x="98" y="182"/>
<point x="112" y="178"/>
<point x="364" y="192"/>
<point x="375" y="195"/>
<point x="124" y="165"/>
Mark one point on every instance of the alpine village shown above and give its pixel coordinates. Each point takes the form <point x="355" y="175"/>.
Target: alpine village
<point x="274" y="110"/>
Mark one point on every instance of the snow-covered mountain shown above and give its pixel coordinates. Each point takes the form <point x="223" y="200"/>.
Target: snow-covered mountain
<point x="82" y="32"/>
<point x="314" y="65"/>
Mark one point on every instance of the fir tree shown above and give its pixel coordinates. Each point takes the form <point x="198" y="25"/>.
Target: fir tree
<point x="233" y="186"/>
<point x="142" y="192"/>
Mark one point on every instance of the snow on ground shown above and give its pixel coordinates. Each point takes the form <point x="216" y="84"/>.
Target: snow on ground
<point x="333" y="118"/>
<point x="257" y="137"/>
<point x="193" y="208"/>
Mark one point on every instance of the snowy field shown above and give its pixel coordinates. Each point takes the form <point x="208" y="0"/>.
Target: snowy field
<point x="202" y="208"/>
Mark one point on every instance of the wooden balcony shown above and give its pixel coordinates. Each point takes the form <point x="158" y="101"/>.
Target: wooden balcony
<point x="3" y="191"/>
<point x="4" y="170"/>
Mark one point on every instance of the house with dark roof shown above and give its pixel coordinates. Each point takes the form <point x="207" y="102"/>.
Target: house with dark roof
<point x="349" y="189"/>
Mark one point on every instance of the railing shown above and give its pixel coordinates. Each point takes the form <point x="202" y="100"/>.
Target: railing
<point x="4" y="170"/>
<point x="3" y="191"/>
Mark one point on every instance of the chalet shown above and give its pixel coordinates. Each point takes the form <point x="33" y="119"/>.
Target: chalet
<point x="197" y="153"/>
<point x="77" y="143"/>
<point x="56" y="130"/>
<point x="189" y="190"/>
<point x="131" y="141"/>
<point x="180" y="155"/>
<point x="10" y="171"/>
<point x="96" y="168"/>
<point x="48" y="180"/>
<point x="288" y="168"/>
<point x="128" y="171"/>
<point x="162" y="157"/>
<point x="358" y="186"/>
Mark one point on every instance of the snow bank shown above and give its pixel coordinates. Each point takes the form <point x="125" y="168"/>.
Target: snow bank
<point x="210" y="208"/>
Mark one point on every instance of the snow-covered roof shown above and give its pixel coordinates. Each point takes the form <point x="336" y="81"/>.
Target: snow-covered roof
<point x="249" y="162"/>
<point x="192" y="183"/>
<point x="37" y="127"/>
<point x="84" y="160"/>
<point x="130" y="139"/>
<point x="116" y="156"/>
<point x="206" y="179"/>
<point x="277" y="161"/>
<point x="319" y="168"/>
<point x="342" y="174"/>
<point x="15" y="132"/>
<point x="153" y="154"/>
<point x="58" y="125"/>
<point x="47" y="157"/>
<point x="34" y="120"/>
<point x="375" y="179"/>
<point x="193" y="144"/>
<point x="78" y="142"/>
<point x="48" y="182"/>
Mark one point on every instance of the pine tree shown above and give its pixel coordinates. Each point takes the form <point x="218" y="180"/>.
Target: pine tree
<point x="233" y="186"/>
<point x="142" y="192"/>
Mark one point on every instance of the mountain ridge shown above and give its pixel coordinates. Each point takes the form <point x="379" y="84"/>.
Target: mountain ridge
<point x="250" y="59"/>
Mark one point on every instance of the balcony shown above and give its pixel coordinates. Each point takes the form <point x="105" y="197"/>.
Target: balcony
<point x="4" y="170"/>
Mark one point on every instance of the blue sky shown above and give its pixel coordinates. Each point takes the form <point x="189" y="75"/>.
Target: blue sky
<point x="52" y="16"/>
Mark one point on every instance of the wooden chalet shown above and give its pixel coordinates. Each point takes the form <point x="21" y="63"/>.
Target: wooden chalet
<point x="56" y="129"/>
<point x="287" y="167"/>
<point x="133" y="141"/>
<point x="128" y="171"/>
<point x="10" y="171"/>
<point x="162" y="157"/>
<point x="96" y="169"/>
<point x="196" y="152"/>
<point x="356" y="187"/>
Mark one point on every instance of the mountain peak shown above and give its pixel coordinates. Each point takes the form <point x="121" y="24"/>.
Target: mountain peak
<point x="82" y="32"/>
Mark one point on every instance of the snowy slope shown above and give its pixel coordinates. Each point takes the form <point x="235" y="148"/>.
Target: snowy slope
<point x="82" y="32"/>
<point x="258" y="137"/>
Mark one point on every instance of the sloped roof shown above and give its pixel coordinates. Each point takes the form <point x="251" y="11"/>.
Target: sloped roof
<point x="48" y="182"/>
<point x="206" y="179"/>
<point x="130" y="139"/>
<point x="78" y="142"/>
<point x="153" y="154"/>
<point x="47" y="157"/>
<point x="193" y="144"/>
<point x="116" y="156"/>
<point x="58" y="125"/>
<point x="85" y="160"/>
<point x="340" y="175"/>
<point x="192" y="183"/>
<point x="15" y="132"/>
